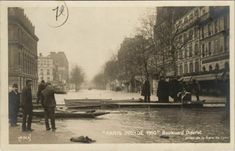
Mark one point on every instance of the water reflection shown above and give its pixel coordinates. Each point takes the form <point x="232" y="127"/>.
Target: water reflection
<point x="107" y="129"/>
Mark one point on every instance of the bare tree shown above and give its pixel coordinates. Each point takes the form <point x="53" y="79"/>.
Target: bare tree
<point x="147" y="31"/>
<point x="77" y="77"/>
<point x="168" y="36"/>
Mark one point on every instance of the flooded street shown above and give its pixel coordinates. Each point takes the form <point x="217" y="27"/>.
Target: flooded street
<point x="133" y="125"/>
<point x="146" y="125"/>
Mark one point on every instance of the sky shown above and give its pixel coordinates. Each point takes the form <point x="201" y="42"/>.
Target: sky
<point x="91" y="35"/>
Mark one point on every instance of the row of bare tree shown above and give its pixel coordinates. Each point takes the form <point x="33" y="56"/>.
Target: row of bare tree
<point x="151" y="52"/>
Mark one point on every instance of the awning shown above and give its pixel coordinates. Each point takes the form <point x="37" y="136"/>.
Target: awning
<point x="203" y="77"/>
<point x="206" y="77"/>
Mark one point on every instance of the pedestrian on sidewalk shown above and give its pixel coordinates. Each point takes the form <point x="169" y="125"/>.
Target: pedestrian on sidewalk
<point x="41" y="87"/>
<point x="146" y="90"/>
<point x="14" y="104"/>
<point x="195" y="88"/>
<point x="27" y="106"/>
<point x="163" y="90"/>
<point x="49" y="105"/>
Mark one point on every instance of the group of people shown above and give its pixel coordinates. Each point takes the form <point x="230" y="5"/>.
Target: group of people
<point x="45" y="95"/>
<point x="172" y="87"/>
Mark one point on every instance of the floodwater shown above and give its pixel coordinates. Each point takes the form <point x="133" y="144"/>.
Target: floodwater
<point x="148" y="125"/>
<point x="132" y="125"/>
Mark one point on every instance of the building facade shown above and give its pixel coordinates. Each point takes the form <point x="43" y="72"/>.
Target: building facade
<point x="61" y="61"/>
<point x="207" y="49"/>
<point x="214" y="38"/>
<point x="22" y="49"/>
<point x="164" y="15"/>
<point x="47" y="69"/>
<point x="188" y="59"/>
<point x="204" y="33"/>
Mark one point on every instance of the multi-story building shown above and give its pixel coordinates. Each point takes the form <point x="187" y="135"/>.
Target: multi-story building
<point x="164" y="15"/>
<point x="214" y="38"/>
<point x="47" y="69"/>
<point x="188" y="60"/>
<point x="61" y="61"/>
<point x="22" y="49"/>
<point x="207" y="32"/>
<point x="204" y="32"/>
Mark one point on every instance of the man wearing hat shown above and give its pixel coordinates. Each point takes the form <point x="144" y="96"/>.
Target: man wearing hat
<point x="27" y="106"/>
<point x="49" y="105"/>
<point x="14" y="104"/>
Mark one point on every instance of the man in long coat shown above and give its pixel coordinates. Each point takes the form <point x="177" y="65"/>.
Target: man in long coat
<point x="27" y="106"/>
<point x="146" y="91"/>
<point x="14" y="104"/>
<point x="49" y="105"/>
<point x="163" y="90"/>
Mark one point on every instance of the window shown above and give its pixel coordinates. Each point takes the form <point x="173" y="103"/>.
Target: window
<point x="19" y="60"/>
<point x="202" y="32"/>
<point x="216" y="46"/>
<point x="209" y="48"/>
<point x="196" y="49"/>
<point x="221" y="26"/>
<point x="190" y="34"/>
<point x="210" y="68"/>
<point x="203" y="50"/>
<point x="190" y="50"/>
<point x="196" y="13"/>
<point x="222" y="44"/>
<point x="195" y="32"/>
<point x="185" y="68"/>
<point x="181" y="69"/>
<point x="204" y="69"/>
<point x="216" y="26"/>
<point x="48" y="72"/>
<point x="196" y="66"/>
<point x="186" y="52"/>
<point x="191" y="67"/>
<point x="203" y="11"/>
<point x="209" y="29"/>
<point x="185" y="37"/>
<point x="217" y="67"/>
<point x="226" y="66"/>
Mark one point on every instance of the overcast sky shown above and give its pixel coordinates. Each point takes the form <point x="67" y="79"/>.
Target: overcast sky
<point x="90" y="36"/>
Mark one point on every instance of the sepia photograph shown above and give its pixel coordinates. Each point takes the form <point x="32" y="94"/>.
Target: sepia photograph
<point x="101" y="73"/>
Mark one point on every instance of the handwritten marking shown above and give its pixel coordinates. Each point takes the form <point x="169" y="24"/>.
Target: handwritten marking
<point x="60" y="11"/>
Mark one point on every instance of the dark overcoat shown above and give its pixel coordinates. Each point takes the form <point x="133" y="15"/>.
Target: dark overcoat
<point x="163" y="91"/>
<point x="146" y="89"/>
<point x="174" y="87"/>
<point x="49" y="97"/>
<point x="26" y="100"/>
<point x="14" y="102"/>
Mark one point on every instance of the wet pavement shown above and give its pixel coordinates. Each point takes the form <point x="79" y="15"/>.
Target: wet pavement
<point x="133" y="125"/>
